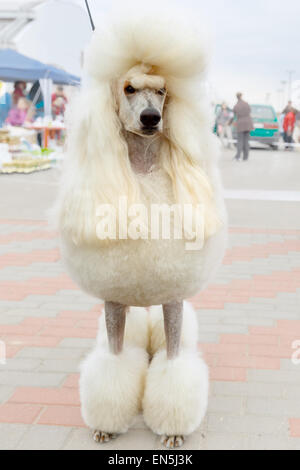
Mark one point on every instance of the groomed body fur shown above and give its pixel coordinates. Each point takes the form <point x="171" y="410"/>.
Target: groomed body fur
<point x="98" y="170"/>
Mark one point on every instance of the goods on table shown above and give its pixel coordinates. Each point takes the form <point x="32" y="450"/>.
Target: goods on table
<point x="25" y="165"/>
<point x="19" y="152"/>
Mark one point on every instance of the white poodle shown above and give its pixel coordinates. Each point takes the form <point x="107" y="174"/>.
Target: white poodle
<point x="140" y="138"/>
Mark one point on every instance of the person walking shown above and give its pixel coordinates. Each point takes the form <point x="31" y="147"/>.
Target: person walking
<point x="224" y="120"/>
<point x="288" y="127"/>
<point x="244" y="126"/>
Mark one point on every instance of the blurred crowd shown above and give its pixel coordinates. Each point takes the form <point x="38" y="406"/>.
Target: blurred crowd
<point x="240" y="115"/>
<point x="244" y="125"/>
<point x="23" y="106"/>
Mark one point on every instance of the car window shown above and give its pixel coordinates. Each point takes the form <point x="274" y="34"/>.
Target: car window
<point x="262" y="112"/>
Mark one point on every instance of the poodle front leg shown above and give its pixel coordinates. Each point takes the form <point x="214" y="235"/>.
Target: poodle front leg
<point x="112" y="379"/>
<point x="176" y="391"/>
<point x="173" y="325"/>
<point x="115" y="317"/>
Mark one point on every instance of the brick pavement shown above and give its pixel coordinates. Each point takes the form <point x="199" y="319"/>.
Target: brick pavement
<point x="249" y="321"/>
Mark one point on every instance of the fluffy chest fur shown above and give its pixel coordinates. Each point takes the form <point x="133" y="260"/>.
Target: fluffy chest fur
<point x="145" y="272"/>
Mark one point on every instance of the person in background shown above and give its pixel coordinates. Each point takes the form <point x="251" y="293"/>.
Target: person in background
<point x="297" y="128"/>
<point x="35" y="95"/>
<point x="288" y="108"/>
<point x="19" y="92"/>
<point x="36" y="98"/>
<point x="224" y="120"/>
<point x="280" y="122"/>
<point x="59" y="101"/>
<point x="244" y="126"/>
<point x="288" y="127"/>
<point x="5" y="106"/>
<point x="19" y="115"/>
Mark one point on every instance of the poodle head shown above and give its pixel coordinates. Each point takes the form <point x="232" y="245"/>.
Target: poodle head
<point x="141" y="99"/>
<point x="143" y="74"/>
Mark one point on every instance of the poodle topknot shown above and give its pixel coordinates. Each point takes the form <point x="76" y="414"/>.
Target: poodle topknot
<point x="167" y="41"/>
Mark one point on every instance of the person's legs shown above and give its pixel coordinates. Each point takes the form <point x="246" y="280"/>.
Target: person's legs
<point x="229" y="137"/>
<point x="221" y="131"/>
<point x="246" y="136"/>
<point x="290" y="142"/>
<point x="239" y="145"/>
<point x="285" y="140"/>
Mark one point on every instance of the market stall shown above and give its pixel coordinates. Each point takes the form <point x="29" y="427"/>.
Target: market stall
<point x="19" y="151"/>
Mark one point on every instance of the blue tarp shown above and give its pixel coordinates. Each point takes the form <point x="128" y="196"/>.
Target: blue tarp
<point x="15" y="66"/>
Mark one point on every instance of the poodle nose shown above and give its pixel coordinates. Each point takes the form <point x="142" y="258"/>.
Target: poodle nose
<point x="150" y="117"/>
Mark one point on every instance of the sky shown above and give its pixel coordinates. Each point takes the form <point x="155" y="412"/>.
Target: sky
<point x="256" y="43"/>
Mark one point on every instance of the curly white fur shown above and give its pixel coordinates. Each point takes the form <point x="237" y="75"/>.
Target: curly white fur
<point x="112" y="387"/>
<point x="176" y="393"/>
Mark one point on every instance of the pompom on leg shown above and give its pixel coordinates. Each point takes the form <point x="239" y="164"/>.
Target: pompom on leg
<point x="111" y="390"/>
<point x="176" y="395"/>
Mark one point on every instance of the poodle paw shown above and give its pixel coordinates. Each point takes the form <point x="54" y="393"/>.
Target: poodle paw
<point x="102" y="437"/>
<point x="170" y="442"/>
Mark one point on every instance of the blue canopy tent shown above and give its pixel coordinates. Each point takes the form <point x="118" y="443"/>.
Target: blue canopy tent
<point x="15" y="66"/>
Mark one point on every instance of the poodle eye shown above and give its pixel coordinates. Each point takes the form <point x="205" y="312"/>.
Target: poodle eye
<point x="129" y="90"/>
<point x="162" y="91"/>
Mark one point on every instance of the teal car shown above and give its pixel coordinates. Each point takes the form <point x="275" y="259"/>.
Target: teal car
<point x="265" y="122"/>
<point x="266" y="126"/>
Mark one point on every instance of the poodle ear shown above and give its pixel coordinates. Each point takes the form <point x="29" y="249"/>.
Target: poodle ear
<point x="190" y="156"/>
<point x="96" y="168"/>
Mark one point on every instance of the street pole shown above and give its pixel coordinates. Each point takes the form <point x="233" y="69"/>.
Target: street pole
<point x="290" y="75"/>
<point x="284" y="83"/>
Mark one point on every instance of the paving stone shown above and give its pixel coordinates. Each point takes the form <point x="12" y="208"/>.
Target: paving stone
<point x="51" y="353"/>
<point x="273" y="407"/>
<point x="271" y="443"/>
<point x="34" y="379"/>
<point x="225" y="404"/>
<point x="268" y="376"/>
<point x="224" y="441"/>
<point x="254" y="389"/>
<point x="41" y="437"/>
<point x="5" y="392"/>
<point x="248" y="424"/>
<point x="81" y="343"/>
<point x="59" y="365"/>
<point x="22" y="364"/>
<point x="11" y="434"/>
